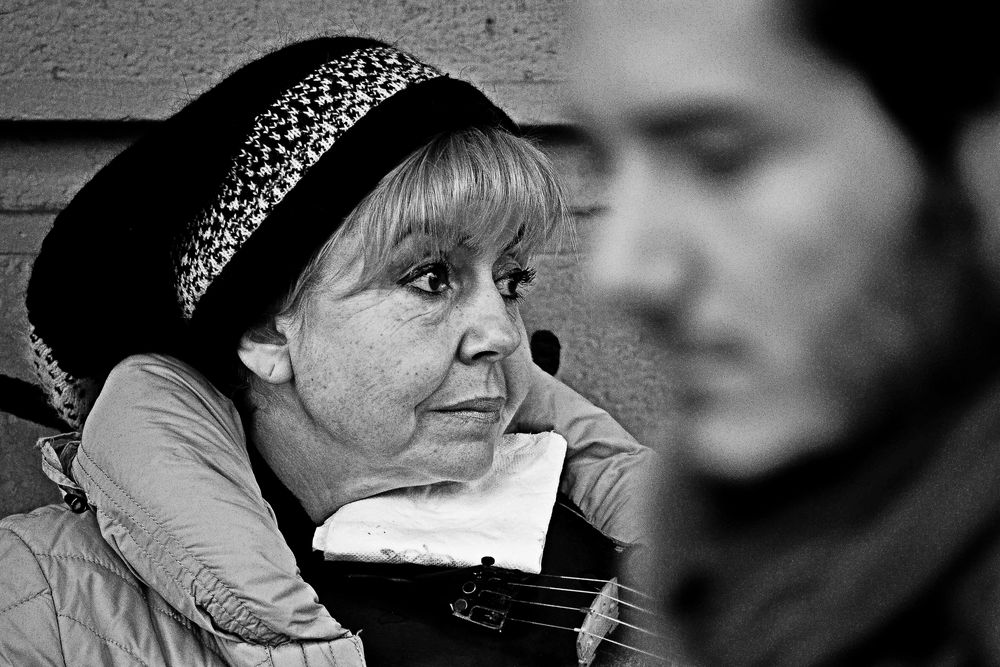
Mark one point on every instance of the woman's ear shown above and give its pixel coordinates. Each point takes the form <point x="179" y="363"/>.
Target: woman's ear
<point x="270" y="361"/>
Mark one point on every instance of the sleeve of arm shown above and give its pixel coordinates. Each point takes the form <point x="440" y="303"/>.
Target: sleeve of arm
<point x="608" y="474"/>
<point x="29" y="629"/>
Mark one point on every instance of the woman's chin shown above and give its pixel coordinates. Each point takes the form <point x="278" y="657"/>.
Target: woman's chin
<point x="469" y="461"/>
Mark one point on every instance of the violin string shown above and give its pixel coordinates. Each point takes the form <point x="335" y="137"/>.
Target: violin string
<point x="578" y="590"/>
<point x="549" y="604"/>
<point x="634" y="606"/>
<point x="618" y="620"/>
<point x="586" y="632"/>
<point x="547" y="625"/>
<point x="553" y="588"/>
<point x="585" y="610"/>
<point x="598" y="581"/>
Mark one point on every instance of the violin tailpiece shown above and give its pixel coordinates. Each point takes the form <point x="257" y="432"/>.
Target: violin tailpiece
<point x="486" y="597"/>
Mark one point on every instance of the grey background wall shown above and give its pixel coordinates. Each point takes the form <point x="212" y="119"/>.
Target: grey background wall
<point x="80" y="79"/>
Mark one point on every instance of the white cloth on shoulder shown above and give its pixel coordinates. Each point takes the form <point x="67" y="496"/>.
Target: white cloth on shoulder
<point x="505" y="514"/>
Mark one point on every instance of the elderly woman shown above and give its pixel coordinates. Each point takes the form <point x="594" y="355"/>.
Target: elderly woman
<point x="303" y="288"/>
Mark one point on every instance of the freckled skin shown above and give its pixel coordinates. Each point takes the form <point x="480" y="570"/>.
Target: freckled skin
<point x="373" y="369"/>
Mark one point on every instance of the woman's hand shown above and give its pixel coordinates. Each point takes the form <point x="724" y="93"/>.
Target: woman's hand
<point x="608" y="474"/>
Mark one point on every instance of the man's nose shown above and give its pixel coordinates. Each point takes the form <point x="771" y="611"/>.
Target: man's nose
<point x="491" y="333"/>
<point x="642" y="260"/>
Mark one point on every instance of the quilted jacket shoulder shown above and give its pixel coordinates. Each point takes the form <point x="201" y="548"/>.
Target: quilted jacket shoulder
<point x="163" y="461"/>
<point x="178" y="559"/>
<point x="66" y="598"/>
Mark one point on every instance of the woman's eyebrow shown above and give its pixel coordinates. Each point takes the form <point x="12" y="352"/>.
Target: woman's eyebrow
<point x="415" y="242"/>
<point x="516" y="241"/>
<point x="403" y="234"/>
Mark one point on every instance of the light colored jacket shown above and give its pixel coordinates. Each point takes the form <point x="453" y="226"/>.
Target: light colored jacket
<point x="67" y="598"/>
<point x="179" y="560"/>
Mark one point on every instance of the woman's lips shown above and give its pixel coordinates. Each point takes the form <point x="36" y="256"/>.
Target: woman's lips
<point x="483" y="408"/>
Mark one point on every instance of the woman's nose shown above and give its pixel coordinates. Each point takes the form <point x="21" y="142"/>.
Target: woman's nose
<point x="492" y="331"/>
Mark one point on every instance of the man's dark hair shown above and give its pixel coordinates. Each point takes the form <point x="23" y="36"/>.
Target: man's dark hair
<point x="931" y="64"/>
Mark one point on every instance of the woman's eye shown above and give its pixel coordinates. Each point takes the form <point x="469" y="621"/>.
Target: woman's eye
<point x="513" y="284"/>
<point x="432" y="279"/>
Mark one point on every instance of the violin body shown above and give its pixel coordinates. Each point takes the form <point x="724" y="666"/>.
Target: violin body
<point x="406" y="613"/>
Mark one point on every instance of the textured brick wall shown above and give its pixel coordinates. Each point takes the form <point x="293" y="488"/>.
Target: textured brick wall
<point x="77" y="75"/>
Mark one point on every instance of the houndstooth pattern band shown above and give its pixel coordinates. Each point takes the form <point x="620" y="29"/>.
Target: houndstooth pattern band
<point x="72" y="397"/>
<point x="286" y="140"/>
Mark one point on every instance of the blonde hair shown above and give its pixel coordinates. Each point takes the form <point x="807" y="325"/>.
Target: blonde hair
<point x="479" y="187"/>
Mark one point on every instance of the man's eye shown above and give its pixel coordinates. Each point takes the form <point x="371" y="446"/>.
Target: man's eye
<point x="432" y="279"/>
<point x="716" y="162"/>
<point x="721" y="154"/>
<point x="512" y="285"/>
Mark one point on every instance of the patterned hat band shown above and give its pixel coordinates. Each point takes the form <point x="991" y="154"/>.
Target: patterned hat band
<point x="285" y="142"/>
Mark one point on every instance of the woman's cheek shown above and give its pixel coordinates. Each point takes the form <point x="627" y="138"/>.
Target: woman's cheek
<point x="422" y="369"/>
<point x="517" y="370"/>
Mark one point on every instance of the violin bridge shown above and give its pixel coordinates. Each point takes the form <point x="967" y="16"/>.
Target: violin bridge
<point x="601" y="619"/>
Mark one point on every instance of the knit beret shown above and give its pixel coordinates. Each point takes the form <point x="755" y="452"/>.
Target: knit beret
<point x="193" y="232"/>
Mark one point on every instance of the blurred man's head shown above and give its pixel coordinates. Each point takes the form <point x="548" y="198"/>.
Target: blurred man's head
<point x="789" y="225"/>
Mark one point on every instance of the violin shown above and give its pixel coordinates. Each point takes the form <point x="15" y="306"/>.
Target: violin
<point x="575" y="612"/>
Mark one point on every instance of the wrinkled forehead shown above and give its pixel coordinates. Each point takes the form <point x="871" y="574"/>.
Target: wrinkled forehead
<point x="645" y="54"/>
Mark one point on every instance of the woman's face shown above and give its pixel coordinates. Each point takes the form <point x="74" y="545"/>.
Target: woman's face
<point x="412" y="379"/>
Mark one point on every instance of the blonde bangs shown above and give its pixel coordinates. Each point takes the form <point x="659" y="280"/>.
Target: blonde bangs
<point x="480" y="188"/>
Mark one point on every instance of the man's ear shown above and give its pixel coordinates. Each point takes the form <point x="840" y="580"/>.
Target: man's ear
<point x="270" y="361"/>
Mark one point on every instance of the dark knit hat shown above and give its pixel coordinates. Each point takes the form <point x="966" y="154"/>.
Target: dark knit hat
<point x="192" y="233"/>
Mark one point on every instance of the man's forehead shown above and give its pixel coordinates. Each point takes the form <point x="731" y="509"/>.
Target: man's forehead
<point x="690" y="23"/>
<point x="644" y="52"/>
